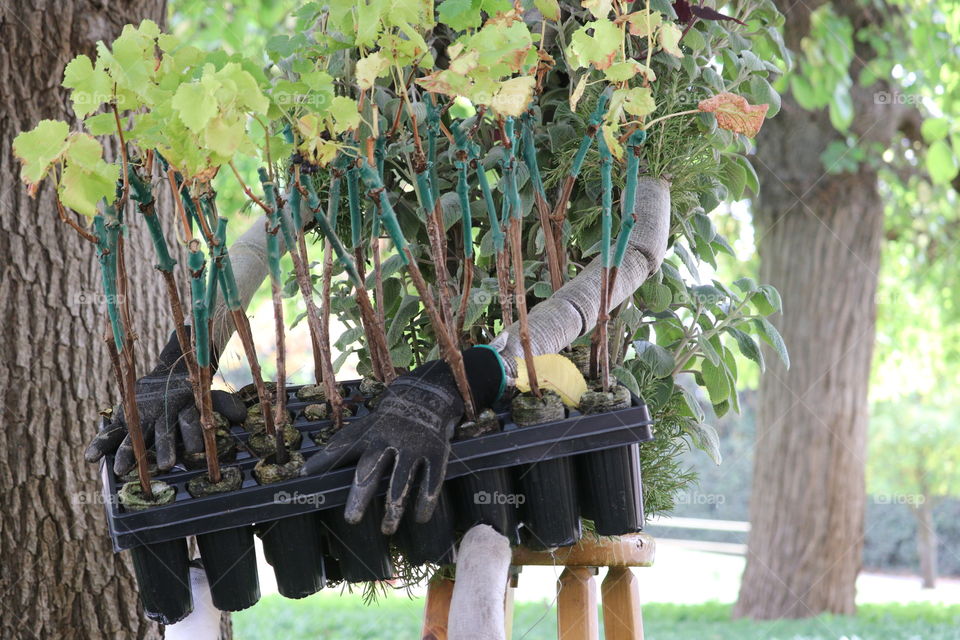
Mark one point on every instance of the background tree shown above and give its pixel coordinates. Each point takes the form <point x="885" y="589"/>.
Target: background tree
<point x="847" y="136"/>
<point x="61" y="578"/>
<point x="914" y="458"/>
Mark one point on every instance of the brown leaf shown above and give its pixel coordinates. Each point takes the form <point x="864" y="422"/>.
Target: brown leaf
<point x="735" y="114"/>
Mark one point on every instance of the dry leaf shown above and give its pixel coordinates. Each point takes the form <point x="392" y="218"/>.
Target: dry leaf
<point x="735" y="114"/>
<point x="555" y="373"/>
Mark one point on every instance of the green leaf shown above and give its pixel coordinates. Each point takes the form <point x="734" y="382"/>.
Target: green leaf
<point x="598" y="48"/>
<point x="627" y="379"/>
<point x="691" y="406"/>
<point x="705" y="438"/>
<point x="101" y="124"/>
<point x="716" y="381"/>
<point x="549" y="8"/>
<point x="346" y="115"/>
<point x="460" y="14"/>
<point x="767" y="300"/>
<point x="195" y="105"/>
<point x="659" y="360"/>
<point x="657" y="297"/>
<point x="748" y="347"/>
<point x="764" y="93"/>
<point x="86" y="178"/>
<point x="941" y="163"/>
<point x="409" y="307"/>
<point x="771" y="336"/>
<point x="745" y="284"/>
<point x="89" y="87"/>
<point x="38" y="148"/>
<point x="934" y="129"/>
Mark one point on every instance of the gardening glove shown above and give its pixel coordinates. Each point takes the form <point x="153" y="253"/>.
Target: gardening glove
<point x="165" y="402"/>
<point x="409" y="434"/>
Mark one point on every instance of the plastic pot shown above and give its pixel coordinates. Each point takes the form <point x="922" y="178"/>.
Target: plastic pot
<point x="433" y="541"/>
<point x="162" y="568"/>
<point x="550" y="510"/>
<point x="487" y="497"/>
<point x="547" y="490"/>
<point x="293" y="546"/>
<point x="611" y="492"/>
<point x="229" y="559"/>
<point x="610" y="483"/>
<point x="361" y="550"/>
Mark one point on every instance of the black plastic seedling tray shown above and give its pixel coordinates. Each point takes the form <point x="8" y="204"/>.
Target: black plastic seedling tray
<point x="253" y="503"/>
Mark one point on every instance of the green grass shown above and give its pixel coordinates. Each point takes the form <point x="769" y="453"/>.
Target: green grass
<point x="334" y="617"/>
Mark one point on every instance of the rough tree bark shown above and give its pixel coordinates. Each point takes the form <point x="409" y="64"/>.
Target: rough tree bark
<point x="819" y="243"/>
<point x="60" y="577"/>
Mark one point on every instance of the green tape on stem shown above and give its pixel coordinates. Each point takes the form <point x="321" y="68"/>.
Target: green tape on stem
<point x="373" y="182"/>
<point x="628" y="218"/>
<point x="201" y="325"/>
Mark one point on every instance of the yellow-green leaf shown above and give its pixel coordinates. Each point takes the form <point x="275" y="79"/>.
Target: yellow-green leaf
<point x="555" y="373"/>
<point x="38" y="148"/>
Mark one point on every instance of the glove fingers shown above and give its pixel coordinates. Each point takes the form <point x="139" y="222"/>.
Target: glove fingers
<point x="400" y="486"/>
<point x="107" y="440"/>
<point x="430" y="486"/>
<point x="191" y="433"/>
<point x="166" y="440"/>
<point x="366" y="480"/>
<point x="126" y="459"/>
<point x="229" y="406"/>
<point x="344" y="447"/>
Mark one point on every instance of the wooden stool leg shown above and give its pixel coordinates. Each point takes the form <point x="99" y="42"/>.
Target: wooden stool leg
<point x="622" y="619"/>
<point x="577" y="605"/>
<point x="437" y="609"/>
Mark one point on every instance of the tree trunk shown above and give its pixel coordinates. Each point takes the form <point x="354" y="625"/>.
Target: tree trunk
<point x="926" y="542"/>
<point x="819" y="236"/>
<point x="60" y="577"/>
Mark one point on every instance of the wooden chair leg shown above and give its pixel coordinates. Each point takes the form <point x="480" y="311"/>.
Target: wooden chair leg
<point x="622" y="619"/>
<point x="437" y="610"/>
<point x="577" y="617"/>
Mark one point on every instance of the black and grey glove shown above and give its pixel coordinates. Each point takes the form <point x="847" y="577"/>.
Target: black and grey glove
<point x="409" y="433"/>
<point x="165" y="402"/>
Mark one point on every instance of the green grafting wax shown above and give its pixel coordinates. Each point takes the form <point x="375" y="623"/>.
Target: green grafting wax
<point x="463" y="189"/>
<point x="313" y="201"/>
<point x="373" y="182"/>
<point x="294" y="203"/>
<point x="595" y="119"/>
<point x="273" y="226"/>
<point x="353" y="197"/>
<point x="433" y="130"/>
<point x="628" y="217"/>
<point x="606" y="190"/>
<point x="425" y="192"/>
<point x="530" y="154"/>
<point x="213" y="279"/>
<point x="227" y="281"/>
<point x="510" y="171"/>
<point x="496" y="230"/>
<point x="106" y="254"/>
<point x="201" y="328"/>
